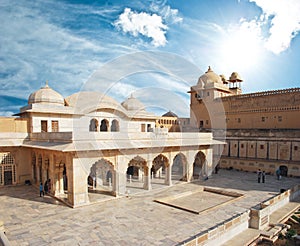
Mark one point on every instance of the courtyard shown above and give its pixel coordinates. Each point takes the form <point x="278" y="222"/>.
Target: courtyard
<point x="135" y="219"/>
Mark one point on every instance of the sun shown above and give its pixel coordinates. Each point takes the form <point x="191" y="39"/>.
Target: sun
<point x="241" y="48"/>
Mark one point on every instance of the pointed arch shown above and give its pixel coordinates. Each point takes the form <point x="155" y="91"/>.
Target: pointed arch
<point x="115" y="126"/>
<point x="199" y="167"/>
<point x="104" y="125"/>
<point x="101" y="173"/>
<point x="93" y="125"/>
<point x="179" y="167"/>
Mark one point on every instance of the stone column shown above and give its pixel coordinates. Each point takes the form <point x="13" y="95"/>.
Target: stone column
<point x="119" y="185"/>
<point x="190" y="157"/>
<point x="209" y="161"/>
<point x="147" y="176"/>
<point x="56" y="182"/>
<point x="51" y="174"/>
<point x="61" y="180"/>
<point x="168" y="177"/>
<point x="77" y="182"/>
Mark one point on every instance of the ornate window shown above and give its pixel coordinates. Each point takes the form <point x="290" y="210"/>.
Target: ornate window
<point x="54" y="125"/>
<point x="7" y="169"/>
<point x="115" y="126"/>
<point x="44" y="126"/>
<point x="104" y="125"/>
<point x="94" y="125"/>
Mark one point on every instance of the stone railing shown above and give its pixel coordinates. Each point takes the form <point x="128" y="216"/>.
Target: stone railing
<point x="260" y="214"/>
<point x="263" y="93"/>
<point x="221" y="232"/>
<point x="51" y="136"/>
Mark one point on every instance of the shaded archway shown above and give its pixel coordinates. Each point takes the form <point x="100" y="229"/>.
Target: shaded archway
<point x="101" y="177"/>
<point x="104" y="125"/>
<point x="283" y="170"/>
<point x="160" y="163"/>
<point x="94" y="125"/>
<point x="179" y="167"/>
<point x="161" y="169"/>
<point x="199" y="167"/>
<point x="65" y="177"/>
<point x="136" y="173"/>
<point x="115" y="126"/>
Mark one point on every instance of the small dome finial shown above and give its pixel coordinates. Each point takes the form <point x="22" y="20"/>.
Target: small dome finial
<point x="209" y="69"/>
<point x="46" y="85"/>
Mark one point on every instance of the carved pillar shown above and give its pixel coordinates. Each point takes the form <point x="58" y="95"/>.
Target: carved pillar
<point x="190" y="157"/>
<point x="209" y="161"/>
<point x="61" y="179"/>
<point x="56" y="182"/>
<point x="77" y="184"/>
<point x="51" y="174"/>
<point x="120" y="183"/>
<point x="168" y="177"/>
<point x="147" y="176"/>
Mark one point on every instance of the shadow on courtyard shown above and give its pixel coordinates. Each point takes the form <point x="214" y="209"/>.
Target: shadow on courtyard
<point x="225" y="179"/>
<point x="247" y="181"/>
<point x="27" y="192"/>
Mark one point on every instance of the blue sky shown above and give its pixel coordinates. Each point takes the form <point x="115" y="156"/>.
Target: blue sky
<point x="139" y="47"/>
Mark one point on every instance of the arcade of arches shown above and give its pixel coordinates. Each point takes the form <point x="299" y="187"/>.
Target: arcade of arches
<point x="113" y="174"/>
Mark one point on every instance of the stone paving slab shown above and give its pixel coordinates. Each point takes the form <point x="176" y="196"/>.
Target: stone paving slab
<point x="136" y="220"/>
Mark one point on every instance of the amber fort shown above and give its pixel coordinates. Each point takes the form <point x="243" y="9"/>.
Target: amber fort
<point x="94" y="151"/>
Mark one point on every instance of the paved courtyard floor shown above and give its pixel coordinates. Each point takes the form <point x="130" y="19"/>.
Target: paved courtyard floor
<point x="134" y="220"/>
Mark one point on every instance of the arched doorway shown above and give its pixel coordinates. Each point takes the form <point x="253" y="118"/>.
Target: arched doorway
<point x="179" y="168"/>
<point x="161" y="170"/>
<point x="101" y="177"/>
<point x="115" y="126"/>
<point x="283" y="170"/>
<point x="104" y="125"/>
<point x="158" y="169"/>
<point x="199" y="167"/>
<point x="136" y="173"/>
<point x="94" y="125"/>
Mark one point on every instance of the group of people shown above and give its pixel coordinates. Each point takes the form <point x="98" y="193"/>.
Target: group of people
<point x="261" y="176"/>
<point x="46" y="188"/>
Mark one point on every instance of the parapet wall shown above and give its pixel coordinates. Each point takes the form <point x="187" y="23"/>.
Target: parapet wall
<point x="260" y="215"/>
<point x="257" y="217"/>
<point x="220" y="233"/>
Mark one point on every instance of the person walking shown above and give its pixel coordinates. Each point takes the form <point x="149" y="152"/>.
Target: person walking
<point x="46" y="187"/>
<point x="278" y="173"/>
<point x="41" y="190"/>
<point x="259" y="175"/>
<point x="263" y="175"/>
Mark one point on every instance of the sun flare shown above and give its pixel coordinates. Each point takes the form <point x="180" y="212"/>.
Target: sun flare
<point x="241" y="49"/>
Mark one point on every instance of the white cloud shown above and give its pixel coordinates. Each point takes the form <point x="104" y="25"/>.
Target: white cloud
<point x="284" y="20"/>
<point x="148" y="25"/>
<point x="171" y="16"/>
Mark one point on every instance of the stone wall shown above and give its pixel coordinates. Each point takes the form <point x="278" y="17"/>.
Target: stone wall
<point x="260" y="215"/>
<point x="220" y="233"/>
<point x="253" y="149"/>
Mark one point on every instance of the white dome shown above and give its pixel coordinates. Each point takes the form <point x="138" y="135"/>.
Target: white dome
<point x="132" y="104"/>
<point x="46" y="95"/>
<point x="209" y="77"/>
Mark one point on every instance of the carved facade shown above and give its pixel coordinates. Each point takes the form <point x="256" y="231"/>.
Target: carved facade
<point x="88" y="141"/>
<point x="261" y="129"/>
